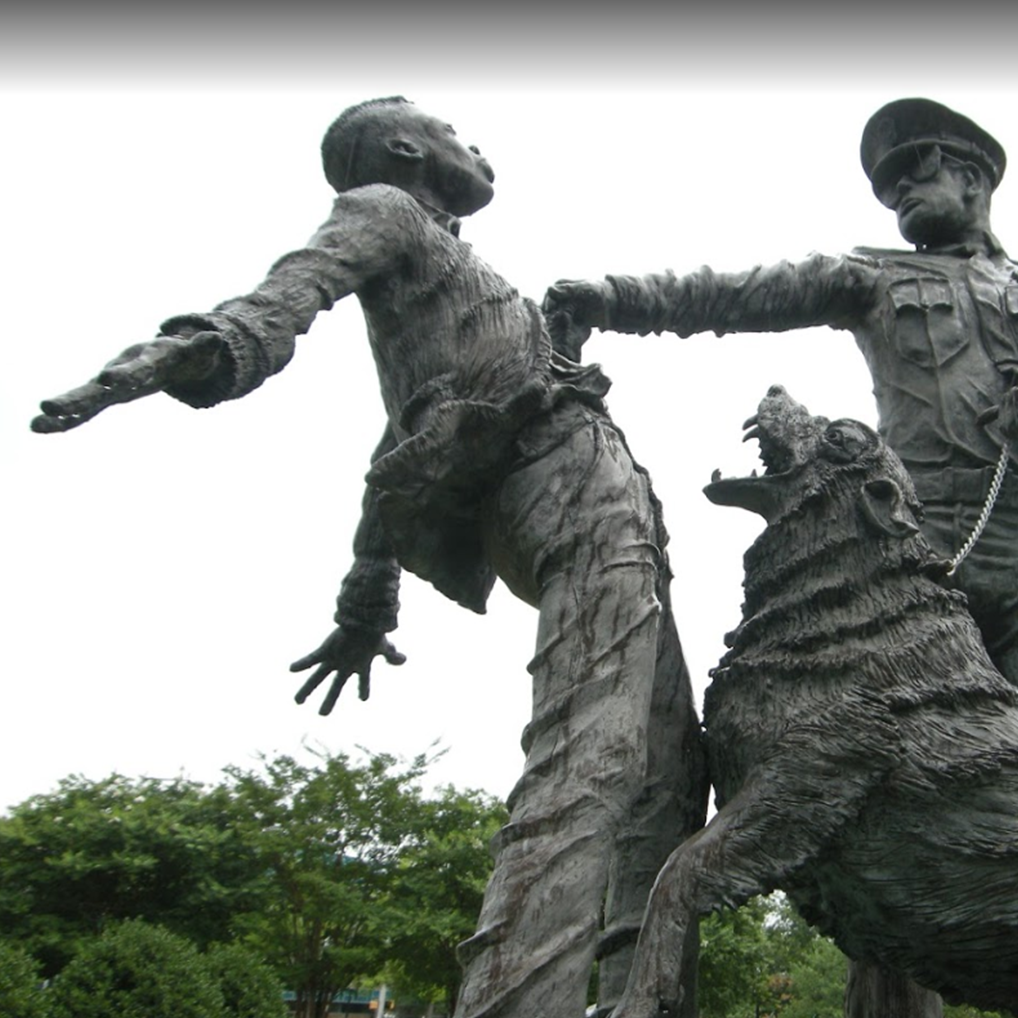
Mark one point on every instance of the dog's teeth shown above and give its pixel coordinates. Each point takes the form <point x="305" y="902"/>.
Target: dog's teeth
<point x="715" y="477"/>
<point x="754" y="473"/>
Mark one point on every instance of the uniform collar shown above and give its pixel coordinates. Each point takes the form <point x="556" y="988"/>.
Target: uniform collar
<point x="987" y="245"/>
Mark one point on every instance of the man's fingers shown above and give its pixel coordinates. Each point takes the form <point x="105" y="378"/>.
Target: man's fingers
<point x="47" y="424"/>
<point x="139" y="371"/>
<point x="391" y="655"/>
<point x="306" y="661"/>
<point x="74" y="407"/>
<point x="344" y="655"/>
<point x="88" y="398"/>
<point x="556" y="295"/>
<point x="317" y="678"/>
<point x="335" y="689"/>
<point x="116" y="383"/>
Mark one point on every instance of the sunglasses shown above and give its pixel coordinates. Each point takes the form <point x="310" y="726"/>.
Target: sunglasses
<point x="919" y="163"/>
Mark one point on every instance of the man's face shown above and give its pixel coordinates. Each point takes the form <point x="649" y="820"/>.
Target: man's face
<point x="455" y="172"/>
<point x="933" y="199"/>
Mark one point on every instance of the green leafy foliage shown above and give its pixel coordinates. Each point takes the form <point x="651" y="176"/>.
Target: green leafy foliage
<point x="339" y="840"/>
<point x="735" y="956"/>
<point x="91" y="853"/>
<point x="316" y="875"/>
<point x="965" y="1011"/>
<point x="331" y="872"/>
<point x="21" y="994"/>
<point x="816" y="982"/>
<point x="250" y="988"/>
<point x="437" y="891"/>
<point x="763" y="960"/>
<point x="136" y="970"/>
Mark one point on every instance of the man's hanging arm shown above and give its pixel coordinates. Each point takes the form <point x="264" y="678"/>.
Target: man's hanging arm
<point x="367" y="608"/>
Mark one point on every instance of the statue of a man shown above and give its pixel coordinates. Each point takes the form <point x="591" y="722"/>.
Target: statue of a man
<point x="499" y="458"/>
<point x="938" y="327"/>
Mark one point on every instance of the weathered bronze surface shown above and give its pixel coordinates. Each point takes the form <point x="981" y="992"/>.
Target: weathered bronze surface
<point x="938" y="327"/>
<point x="863" y="746"/>
<point x="499" y="459"/>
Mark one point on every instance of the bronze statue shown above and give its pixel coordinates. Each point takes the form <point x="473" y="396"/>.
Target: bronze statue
<point x="863" y="746"/>
<point x="499" y="459"/>
<point x="938" y="327"/>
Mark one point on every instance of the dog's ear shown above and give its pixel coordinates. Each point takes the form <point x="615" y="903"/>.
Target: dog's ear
<point x="885" y="509"/>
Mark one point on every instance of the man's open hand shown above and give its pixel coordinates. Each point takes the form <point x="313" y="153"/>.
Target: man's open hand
<point x="346" y="651"/>
<point x="139" y="371"/>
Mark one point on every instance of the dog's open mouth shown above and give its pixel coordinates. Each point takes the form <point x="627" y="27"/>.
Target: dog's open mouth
<point x="787" y="435"/>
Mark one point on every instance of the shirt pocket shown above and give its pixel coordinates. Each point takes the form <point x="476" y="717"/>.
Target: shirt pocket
<point x="924" y="326"/>
<point x="1002" y="343"/>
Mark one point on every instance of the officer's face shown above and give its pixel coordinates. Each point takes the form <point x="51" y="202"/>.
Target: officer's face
<point x="933" y="199"/>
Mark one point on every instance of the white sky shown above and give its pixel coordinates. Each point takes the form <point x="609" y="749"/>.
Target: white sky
<point x="162" y="566"/>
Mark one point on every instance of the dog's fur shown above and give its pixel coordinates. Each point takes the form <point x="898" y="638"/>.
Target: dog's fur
<point x="863" y="747"/>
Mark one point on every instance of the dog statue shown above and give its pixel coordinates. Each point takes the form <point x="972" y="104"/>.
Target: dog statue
<point x="863" y="747"/>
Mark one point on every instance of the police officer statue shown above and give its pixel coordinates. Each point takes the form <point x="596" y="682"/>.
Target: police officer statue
<point x="938" y="326"/>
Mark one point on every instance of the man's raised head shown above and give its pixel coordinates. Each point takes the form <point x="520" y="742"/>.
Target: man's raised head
<point x="392" y="141"/>
<point x="351" y="146"/>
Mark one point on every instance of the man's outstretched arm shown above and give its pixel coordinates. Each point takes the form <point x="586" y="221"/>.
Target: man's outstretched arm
<point x="202" y="359"/>
<point x="821" y="290"/>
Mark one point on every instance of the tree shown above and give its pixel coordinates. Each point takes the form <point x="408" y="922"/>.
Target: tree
<point x="966" y="1011"/>
<point x="330" y="837"/>
<point x="136" y="970"/>
<point x="437" y="892"/>
<point x="91" y="853"/>
<point x="817" y="982"/>
<point x="21" y="993"/>
<point x="813" y="968"/>
<point x="734" y="960"/>
<point x="250" y="988"/>
<point x="329" y="870"/>
<point x="764" y="960"/>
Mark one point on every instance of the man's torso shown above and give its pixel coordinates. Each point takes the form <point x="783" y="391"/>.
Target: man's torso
<point x="937" y="335"/>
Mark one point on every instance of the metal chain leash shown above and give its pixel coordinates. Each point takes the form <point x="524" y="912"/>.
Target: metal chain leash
<point x="984" y="516"/>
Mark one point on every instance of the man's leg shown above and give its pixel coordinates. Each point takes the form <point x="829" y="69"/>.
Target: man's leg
<point x="672" y="806"/>
<point x="989" y="575"/>
<point x="572" y="533"/>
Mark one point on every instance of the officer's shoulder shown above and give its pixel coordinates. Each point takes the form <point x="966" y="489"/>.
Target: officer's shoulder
<point x="878" y="254"/>
<point x="897" y="260"/>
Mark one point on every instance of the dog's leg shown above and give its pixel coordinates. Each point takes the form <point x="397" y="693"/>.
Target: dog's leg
<point x="746" y="849"/>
